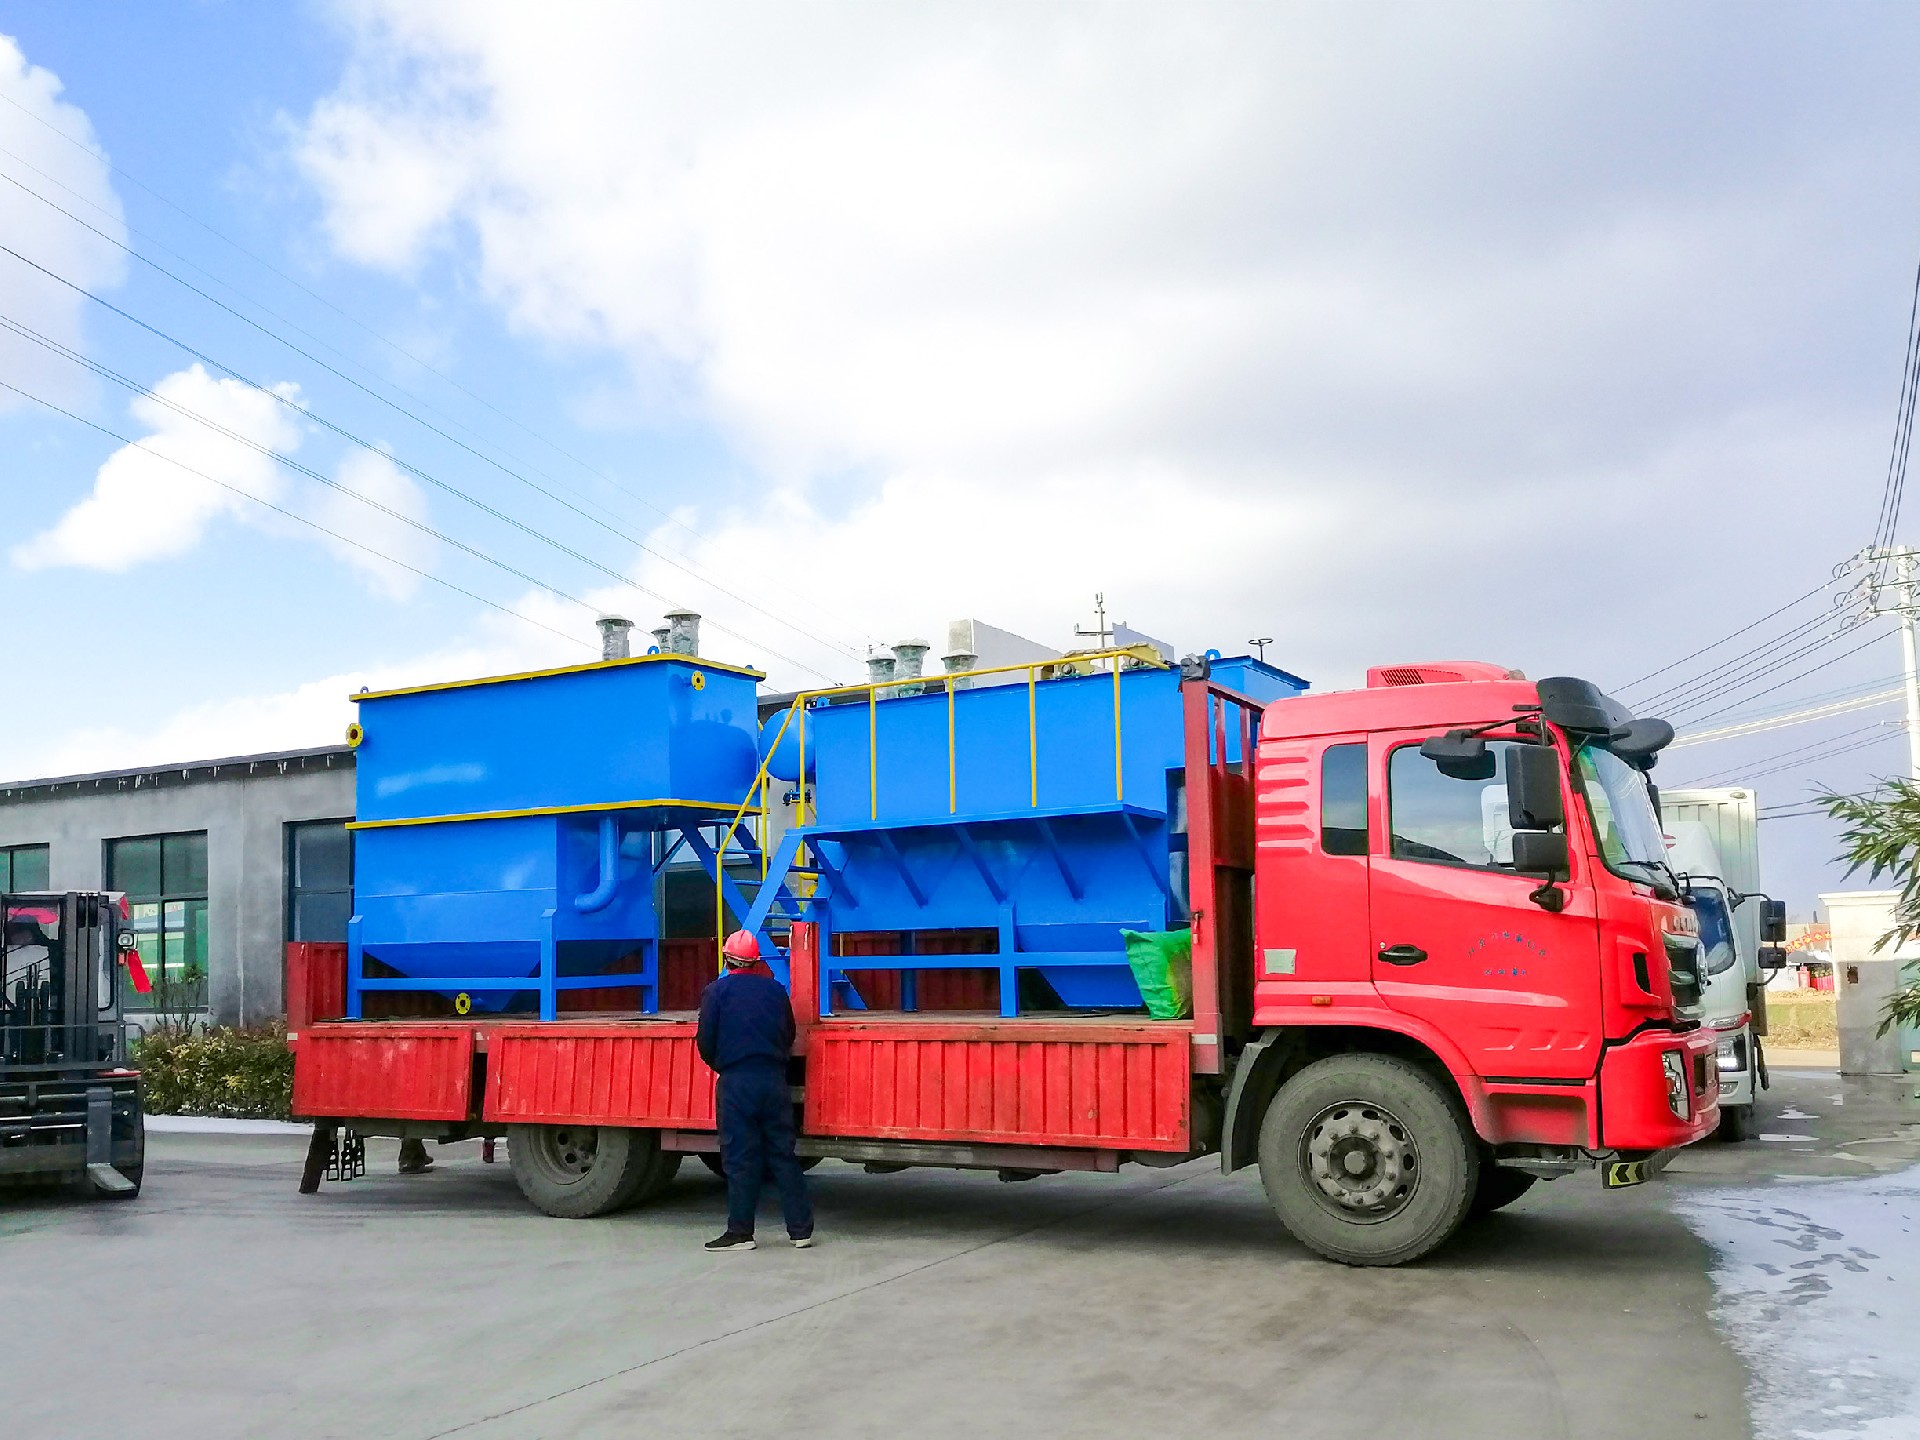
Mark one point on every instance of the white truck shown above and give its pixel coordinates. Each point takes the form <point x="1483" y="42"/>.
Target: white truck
<point x="1713" y="845"/>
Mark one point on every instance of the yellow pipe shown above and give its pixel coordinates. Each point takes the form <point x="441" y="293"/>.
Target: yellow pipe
<point x="873" y="753"/>
<point x="953" y="789"/>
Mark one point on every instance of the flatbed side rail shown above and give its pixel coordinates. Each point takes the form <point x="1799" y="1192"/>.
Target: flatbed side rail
<point x="1223" y="737"/>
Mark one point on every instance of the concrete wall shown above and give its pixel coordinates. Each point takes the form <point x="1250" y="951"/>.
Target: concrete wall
<point x="245" y="819"/>
<point x="1864" y="978"/>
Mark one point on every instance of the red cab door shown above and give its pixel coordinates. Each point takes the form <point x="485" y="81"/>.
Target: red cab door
<point x="1456" y="941"/>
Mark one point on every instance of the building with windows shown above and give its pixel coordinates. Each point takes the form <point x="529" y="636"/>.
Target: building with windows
<point x="222" y="861"/>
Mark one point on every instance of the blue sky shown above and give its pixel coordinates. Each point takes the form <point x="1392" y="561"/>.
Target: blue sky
<point x="1564" y="337"/>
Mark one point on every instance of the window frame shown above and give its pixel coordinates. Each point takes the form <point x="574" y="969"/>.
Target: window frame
<point x="290" y="888"/>
<point x="7" y="886"/>
<point x="1356" y="749"/>
<point x="163" y="900"/>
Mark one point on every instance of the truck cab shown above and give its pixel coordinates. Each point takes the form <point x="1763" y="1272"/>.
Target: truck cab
<point x="1465" y="870"/>
<point x="1710" y="837"/>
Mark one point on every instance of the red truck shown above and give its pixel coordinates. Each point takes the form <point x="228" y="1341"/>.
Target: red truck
<point x="1437" y="956"/>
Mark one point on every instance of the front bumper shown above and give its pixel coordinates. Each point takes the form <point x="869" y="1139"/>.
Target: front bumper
<point x="1635" y="1112"/>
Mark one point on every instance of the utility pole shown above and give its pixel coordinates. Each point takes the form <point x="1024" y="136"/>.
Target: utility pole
<point x="1903" y="564"/>
<point x="1888" y="588"/>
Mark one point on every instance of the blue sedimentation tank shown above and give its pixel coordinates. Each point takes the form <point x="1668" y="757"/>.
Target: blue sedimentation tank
<point x="504" y="831"/>
<point x="1049" y="812"/>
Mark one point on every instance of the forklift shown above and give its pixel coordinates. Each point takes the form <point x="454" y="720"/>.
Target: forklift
<point x="70" y="1106"/>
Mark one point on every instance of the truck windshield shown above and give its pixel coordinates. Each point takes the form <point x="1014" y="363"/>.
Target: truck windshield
<point x="1623" y="818"/>
<point x="1709" y="907"/>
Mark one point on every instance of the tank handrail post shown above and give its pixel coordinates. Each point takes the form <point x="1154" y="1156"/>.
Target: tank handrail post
<point x="953" y="788"/>
<point x="1033" y="739"/>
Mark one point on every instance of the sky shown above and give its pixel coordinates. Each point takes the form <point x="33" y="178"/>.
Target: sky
<point x="351" y="344"/>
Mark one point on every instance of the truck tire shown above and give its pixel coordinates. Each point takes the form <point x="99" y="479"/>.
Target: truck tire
<point x="1368" y="1160"/>
<point x="575" y="1172"/>
<point x="1736" y="1123"/>
<point x="1499" y="1187"/>
<point x="659" y="1175"/>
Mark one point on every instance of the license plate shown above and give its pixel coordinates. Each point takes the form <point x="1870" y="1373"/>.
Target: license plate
<point x="1620" y="1174"/>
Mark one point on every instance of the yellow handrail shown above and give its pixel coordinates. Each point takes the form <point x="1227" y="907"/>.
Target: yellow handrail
<point x="1143" y="654"/>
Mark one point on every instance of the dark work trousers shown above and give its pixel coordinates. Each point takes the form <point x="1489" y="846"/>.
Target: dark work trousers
<point x="756" y="1136"/>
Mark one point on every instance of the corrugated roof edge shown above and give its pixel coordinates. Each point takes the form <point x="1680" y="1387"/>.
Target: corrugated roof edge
<point x="189" y="772"/>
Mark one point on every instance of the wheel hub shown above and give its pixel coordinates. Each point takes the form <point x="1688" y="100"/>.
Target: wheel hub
<point x="1361" y="1160"/>
<point x="570" y="1150"/>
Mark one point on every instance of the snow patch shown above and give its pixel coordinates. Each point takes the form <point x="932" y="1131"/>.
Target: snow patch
<point x="1819" y="1291"/>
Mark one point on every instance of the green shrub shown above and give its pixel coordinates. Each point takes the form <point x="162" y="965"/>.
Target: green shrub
<point x="240" y="1074"/>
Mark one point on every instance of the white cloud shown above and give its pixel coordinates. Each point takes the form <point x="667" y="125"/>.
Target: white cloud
<point x="156" y="497"/>
<point x="76" y="178"/>
<point x="1261" y="319"/>
<point x="390" y="544"/>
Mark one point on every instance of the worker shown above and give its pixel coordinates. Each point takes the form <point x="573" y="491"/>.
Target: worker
<point x="414" y="1159"/>
<point x="746" y="1035"/>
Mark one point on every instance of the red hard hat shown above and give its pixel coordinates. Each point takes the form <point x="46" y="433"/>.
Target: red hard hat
<point x="742" y="948"/>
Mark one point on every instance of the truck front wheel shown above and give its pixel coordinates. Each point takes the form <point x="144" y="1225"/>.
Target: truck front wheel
<point x="578" y="1171"/>
<point x="1368" y="1159"/>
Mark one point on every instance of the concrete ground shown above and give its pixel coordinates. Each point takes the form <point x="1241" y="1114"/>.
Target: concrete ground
<point x="1157" y="1302"/>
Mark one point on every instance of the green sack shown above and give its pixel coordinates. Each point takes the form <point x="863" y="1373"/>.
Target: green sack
<point x="1162" y="965"/>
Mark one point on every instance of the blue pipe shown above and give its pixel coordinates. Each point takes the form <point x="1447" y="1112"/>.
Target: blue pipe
<point x="598" y="897"/>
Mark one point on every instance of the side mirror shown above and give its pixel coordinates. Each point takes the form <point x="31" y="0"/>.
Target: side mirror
<point x="1540" y="852"/>
<point x="1773" y="922"/>
<point x="1772" y="958"/>
<point x="1459" y="755"/>
<point x="1533" y="789"/>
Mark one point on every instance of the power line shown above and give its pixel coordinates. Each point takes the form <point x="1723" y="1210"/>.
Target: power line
<point x="1790" y="718"/>
<point x="368" y="330"/>
<point x="1891" y="493"/>
<point x="1745" y="768"/>
<point x="1810" y="670"/>
<point x="280" y="399"/>
<point x="1825" y="755"/>
<point x="392" y="405"/>
<point x="10" y="324"/>
<point x="1714" y="645"/>
<point x="301" y="519"/>
<point x="1754" y="659"/>
<point x="1766" y="665"/>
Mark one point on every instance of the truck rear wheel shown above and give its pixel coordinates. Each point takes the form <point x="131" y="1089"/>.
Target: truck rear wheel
<point x="578" y="1171"/>
<point x="1368" y="1160"/>
<point x="1736" y="1123"/>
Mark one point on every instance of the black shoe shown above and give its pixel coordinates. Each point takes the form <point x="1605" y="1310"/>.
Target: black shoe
<point x="730" y="1241"/>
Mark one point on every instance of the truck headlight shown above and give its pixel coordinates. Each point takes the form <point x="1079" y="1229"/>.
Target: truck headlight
<point x="1731" y="1054"/>
<point x="1676" y="1068"/>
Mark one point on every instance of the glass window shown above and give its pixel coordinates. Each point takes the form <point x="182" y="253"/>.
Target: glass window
<point x="1623" y="816"/>
<point x="1343" y="800"/>
<point x="165" y="880"/>
<point x="319" y="880"/>
<point x="1709" y="907"/>
<point x="23" y="869"/>
<point x="1445" y="818"/>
